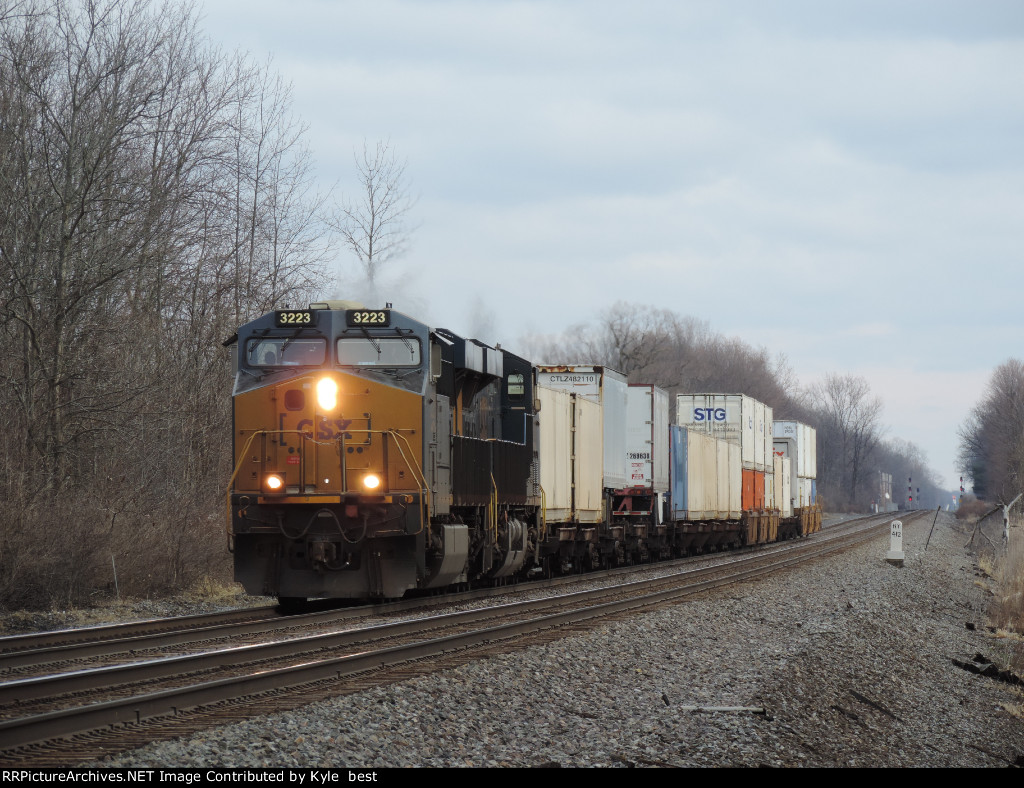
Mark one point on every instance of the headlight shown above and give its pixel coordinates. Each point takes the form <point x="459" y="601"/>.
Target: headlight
<point x="371" y="481"/>
<point x="273" y="483"/>
<point x="327" y="393"/>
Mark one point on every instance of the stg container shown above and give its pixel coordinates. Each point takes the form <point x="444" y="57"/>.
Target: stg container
<point x="571" y="434"/>
<point x="696" y="493"/>
<point x="733" y="417"/>
<point x="608" y="389"/>
<point x="647" y="437"/>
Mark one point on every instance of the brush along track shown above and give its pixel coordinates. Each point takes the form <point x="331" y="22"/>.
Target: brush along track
<point x="309" y="668"/>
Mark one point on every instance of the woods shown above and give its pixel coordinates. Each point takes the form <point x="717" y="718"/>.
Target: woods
<point x="992" y="437"/>
<point x="157" y="194"/>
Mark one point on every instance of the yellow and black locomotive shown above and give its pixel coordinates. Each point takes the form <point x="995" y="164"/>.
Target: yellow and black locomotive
<point x="375" y="455"/>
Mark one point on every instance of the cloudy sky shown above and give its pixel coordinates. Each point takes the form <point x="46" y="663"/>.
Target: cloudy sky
<point x="841" y="182"/>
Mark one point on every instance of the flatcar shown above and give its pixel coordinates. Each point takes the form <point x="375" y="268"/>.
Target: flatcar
<point x="375" y="456"/>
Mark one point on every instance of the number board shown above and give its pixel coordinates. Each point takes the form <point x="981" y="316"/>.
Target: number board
<point x="368" y="317"/>
<point x="291" y="318"/>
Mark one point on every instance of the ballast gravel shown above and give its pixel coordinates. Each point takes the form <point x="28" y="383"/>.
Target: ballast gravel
<point x="844" y="662"/>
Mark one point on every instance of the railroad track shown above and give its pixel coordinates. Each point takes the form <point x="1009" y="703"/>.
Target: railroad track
<point x="81" y="714"/>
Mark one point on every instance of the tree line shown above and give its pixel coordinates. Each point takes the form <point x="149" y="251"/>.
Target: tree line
<point x="155" y="193"/>
<point x="992" y="437"/>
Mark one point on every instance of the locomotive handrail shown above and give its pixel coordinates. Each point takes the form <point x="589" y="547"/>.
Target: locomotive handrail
<point x="543" y="513"/>
<point x="493" y="507"/>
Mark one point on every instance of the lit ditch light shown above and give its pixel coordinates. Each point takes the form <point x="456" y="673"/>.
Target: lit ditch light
<point x="371" y="481"/>
<point x="273" y="484"/>
<point x="327" y="393"/>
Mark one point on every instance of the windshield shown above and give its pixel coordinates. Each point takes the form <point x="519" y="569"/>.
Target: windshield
<point x="286" y="352"/>
<point x="371" y="351"/>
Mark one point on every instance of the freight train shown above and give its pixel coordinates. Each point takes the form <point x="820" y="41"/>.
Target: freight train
<point x="375" y="456"/>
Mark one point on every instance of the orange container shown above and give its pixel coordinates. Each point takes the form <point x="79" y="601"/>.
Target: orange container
<point x="748" y="490"/>
<point x="758" y="489"/>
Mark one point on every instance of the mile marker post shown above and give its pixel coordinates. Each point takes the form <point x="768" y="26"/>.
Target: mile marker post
<point x="895" y="554"/>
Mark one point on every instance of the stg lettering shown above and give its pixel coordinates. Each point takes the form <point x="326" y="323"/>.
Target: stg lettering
<point x="709" y="414"/>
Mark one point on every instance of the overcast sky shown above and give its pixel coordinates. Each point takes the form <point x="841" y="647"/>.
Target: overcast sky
<point x="842" y="182"/>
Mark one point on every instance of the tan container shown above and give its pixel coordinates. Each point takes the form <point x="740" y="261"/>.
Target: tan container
<point x="571" y="456"/>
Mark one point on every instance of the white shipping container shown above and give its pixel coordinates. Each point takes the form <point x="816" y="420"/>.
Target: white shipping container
<point x="587" y="451"/>
<point x="556" y="415"/>
<point x="757" y="428"/>
<point x="734" y="417"/>
<point x="811" y="465"/>
<point x="784" y="486"/>
<point x="803" y="450"/>
<point x="723" y="493"/>
<point x="607" y="388"/>
<point x="570" y="456"/>
<point x="735" y="482"/>
<point x="804" y="497"/>
<point x="647" y="437"/>
<point x="706" y="476"/>
<point x="768" y="438"/>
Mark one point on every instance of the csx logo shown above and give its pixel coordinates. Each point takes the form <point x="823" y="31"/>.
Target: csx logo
<point x="709" y="414"/>
<point x="326" y="429"/>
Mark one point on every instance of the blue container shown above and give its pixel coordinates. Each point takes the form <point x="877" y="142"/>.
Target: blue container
<point x="677" y="467"/>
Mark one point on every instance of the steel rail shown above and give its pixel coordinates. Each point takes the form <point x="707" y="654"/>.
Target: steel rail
<point x="100" y="715"/>
<point x="84" y="642"/>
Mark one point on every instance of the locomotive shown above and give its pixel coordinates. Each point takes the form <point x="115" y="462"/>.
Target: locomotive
<point x="375" y="455"/>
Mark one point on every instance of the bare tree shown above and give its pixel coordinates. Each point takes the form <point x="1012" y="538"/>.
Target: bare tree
<point x="155" y="193"/>
<point x="848" y="435"/>
<point x="374" y="225"/>
<point x="992" y="436"/>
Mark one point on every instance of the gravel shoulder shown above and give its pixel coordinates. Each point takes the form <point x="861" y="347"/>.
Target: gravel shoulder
<point x="851" y="661"/>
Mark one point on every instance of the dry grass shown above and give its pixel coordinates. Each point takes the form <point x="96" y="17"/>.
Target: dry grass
<point x="1006" y="609"/>
<point x="206" y="595"/>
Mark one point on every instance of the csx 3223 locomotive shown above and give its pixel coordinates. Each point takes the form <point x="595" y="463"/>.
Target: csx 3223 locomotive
<point x="375" y="455"/>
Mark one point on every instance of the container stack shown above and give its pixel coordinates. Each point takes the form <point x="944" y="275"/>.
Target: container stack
<point x="797" y="443"/>
<point x="744" y="422"/>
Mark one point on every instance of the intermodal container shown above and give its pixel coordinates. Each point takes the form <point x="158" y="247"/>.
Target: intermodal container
<point x="783" y="487"/>
<point x="802" y="448"/>
<point x="571" y="435"/>
<point x="647" y="454"/>
<point x="734" y="417"/>
<point x="695" y="490"/>
<point x="607" y="388"/>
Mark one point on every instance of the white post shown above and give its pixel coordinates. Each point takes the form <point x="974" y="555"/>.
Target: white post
<point x="895" y="554"/>
<point x="1006" y="521"/>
